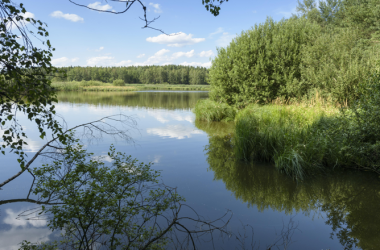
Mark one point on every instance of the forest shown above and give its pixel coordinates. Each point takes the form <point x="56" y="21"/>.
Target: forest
<point x="168" y="74"/>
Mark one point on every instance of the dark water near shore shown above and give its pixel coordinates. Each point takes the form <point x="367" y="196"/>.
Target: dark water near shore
<point x="332" y="211"/>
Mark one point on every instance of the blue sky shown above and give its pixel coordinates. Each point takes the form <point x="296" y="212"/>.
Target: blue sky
<point x="84" y="37"/>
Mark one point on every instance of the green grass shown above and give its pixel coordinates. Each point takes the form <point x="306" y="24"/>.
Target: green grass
<point x="89" y="86"/>
<point x="207" y="110"/>
<point x="296" y="138"/>
<point x="293" y="137"/>
<point x="170" y="87"/>
<point x="101" y="86"/>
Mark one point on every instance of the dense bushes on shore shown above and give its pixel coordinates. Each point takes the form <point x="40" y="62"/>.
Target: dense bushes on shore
<point x="329" y="50"/>
<point x="305" y="138"/>
<point x="328" y="54"/>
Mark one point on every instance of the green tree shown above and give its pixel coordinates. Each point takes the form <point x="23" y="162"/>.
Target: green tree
<point x="23" y="85"/>
<point x="262" y="63"/>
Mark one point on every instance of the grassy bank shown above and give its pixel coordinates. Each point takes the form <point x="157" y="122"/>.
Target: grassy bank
<point x="100" y="86"/>
<point x="294" y="138"/>
<point x="207" y="110"/>
<point x="307" y="137"/>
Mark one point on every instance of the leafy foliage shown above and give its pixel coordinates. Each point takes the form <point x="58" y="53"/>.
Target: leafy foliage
<point x="208" y="110"/>
<point x="262" y="63"/>
<point x="213" y="8"/>
<point x="118" y="82"/>
<point x="23" y="87"/>
<point x="329" y="49"/>
<point x="114" y="206"/>
<point x="172" y="74"/>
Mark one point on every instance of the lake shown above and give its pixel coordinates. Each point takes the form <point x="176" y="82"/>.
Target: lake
<point x="338" y="210"/>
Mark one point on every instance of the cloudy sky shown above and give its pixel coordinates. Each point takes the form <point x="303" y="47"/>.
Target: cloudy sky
<point x="83" y="37"/>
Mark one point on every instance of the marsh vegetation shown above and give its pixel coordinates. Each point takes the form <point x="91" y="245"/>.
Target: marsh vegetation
<point x="303" y="92"/>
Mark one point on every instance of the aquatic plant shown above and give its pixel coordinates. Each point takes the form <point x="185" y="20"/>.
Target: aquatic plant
<point x="208" y="110"/>
<point x="292" y="137"/>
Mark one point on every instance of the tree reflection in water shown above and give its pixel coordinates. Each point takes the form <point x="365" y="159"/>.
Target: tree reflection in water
<point x="349" y="199"/>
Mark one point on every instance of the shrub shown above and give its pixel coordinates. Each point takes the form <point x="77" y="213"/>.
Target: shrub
<point x="291" y="59"/>
<point x="118" y="82"/>
<point x="363" y="128"/>
<point x="208" y="110"/>
<point x="259" y="64"/>
<point x="334" y="66"/>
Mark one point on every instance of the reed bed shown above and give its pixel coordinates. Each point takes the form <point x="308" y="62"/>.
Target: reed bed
<point x="101" y="86"/>
<point x="170" y="87"/>
<point x="207" y="110"/>
<point x="89" y="86"/>
<point x="293" y="137"/>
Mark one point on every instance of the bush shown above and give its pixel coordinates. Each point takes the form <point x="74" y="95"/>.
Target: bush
<point x="291" y="59"/>
<point x="363" y="129"/>
<point x="334" y="66"/>
<point x="208" y="110"/>
<point x="259" y="64"/>
<point x="118" y="82"/>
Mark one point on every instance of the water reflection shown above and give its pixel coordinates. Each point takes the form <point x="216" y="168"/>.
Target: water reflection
<point x="20" y="229"/>
<point x="165" y="116"/>
<point x="347" y="202"/>
<point x="153" y="99"/>
<point x="174" y="131"/>
<point x="350" y="200"/>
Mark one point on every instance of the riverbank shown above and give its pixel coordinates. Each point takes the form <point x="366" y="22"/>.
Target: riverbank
<point x="107" y="87"/>
<point x="304" y="138"/>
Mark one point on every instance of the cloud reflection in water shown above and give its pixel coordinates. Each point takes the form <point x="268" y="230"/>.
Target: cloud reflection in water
<point x="175" y="131"/>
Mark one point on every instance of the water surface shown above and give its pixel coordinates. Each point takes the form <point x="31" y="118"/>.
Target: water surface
<point x="332" y="211"/>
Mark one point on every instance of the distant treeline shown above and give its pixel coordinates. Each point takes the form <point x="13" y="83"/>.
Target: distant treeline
<point x="172" y="74"/>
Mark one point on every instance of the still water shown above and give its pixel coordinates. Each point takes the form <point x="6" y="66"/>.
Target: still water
<point x="337" y="210"/>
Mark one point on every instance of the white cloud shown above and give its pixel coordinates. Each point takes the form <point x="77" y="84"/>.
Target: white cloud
<point x="98" y="6"/>
<point x="100" y="61"/>
<point x="100" y="49"/>
<point x="195" y="64"/>
<point x="219" y="30"/>
<point x="107" y="61"/>
<point x="156" y="6"/>
<point x="63" y="61"/>
<point x="70" y="17"/>
<point x="225" y="39"/>
<point x="161" y="52"/>
<point x="102" y="158"/>
<point x="15" y="220"/>
<point x="180" y="54"/>
<point x="141" y="55"/>
<point x="158" y="57"/>
<point x="174" y="131"/>
<point x="167" y="116"/>
<point x="60" y="61"/>
<point x="157" y="159"/>
<point x="22" y="229"/>
<point x="175" y="40"/>
<point x="26" y="15"/>
<point x="206" y="53"/>
<point x="124" y="63"/>
<point x="162" y="57"/>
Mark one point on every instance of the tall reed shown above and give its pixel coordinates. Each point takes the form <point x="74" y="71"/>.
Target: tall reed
<point x="208" y="110"/>
<point x="290" y="136"/>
